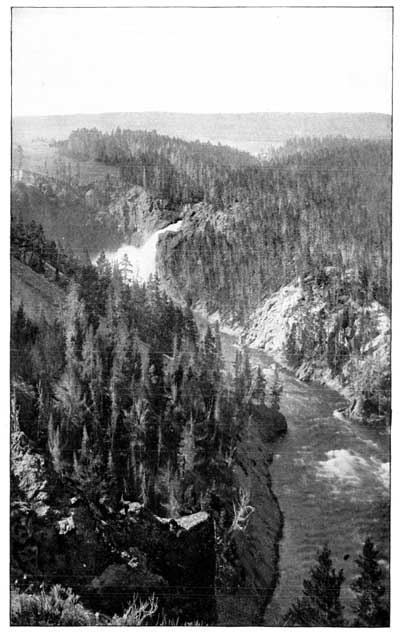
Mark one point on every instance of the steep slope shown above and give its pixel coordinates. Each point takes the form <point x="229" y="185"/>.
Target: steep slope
<point x="58" y="511"/>
<point x="36" y="293"/>
<point x="105" y="555"/>
<point x="106" y="214"/>
<point x="320" y="213"/>
<point x="346" y="347"/>
<point x="260" y="524"/>
<point x="327" y="204"/>
<point x="139" y="214"/>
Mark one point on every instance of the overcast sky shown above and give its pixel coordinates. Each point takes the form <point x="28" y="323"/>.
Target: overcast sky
<point x="201" y="60"/>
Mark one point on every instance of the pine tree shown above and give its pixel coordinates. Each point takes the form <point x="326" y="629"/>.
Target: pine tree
<point x="247" y="371"/>
<point x="103" y="265"/>
<point x="69" y="390"/>
<point x="238" y="380"/>
<point x="259" y="386"/>
<point x="294" y="355"/>
<point x="92" y="375"/>
<point x="85" y="451"/>
<point x="370" y="607"/>
<point x="187" y="451"/>
<point x="126" y="269"/>
<point x="320" y="604"/>
<point x="276" y="391"/>
<point x="42" y="414"/>
<point x="54" y="445"/>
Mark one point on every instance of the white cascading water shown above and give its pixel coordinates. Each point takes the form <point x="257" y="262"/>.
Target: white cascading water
<point x="142" y="258"/>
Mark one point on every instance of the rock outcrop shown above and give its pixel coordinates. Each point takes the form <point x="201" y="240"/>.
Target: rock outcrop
<point x="106" y="554"/>
<point x="140" y="214"/>
<point x="179" y="274"/>
<point x="359" y="336"/>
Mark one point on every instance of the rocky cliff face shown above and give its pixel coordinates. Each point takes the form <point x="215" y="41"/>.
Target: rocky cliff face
<point x="106" y="554"/>
<point x="139" y="214"/>
<point x="357" y="336"/>
<point x="179" y="275"/>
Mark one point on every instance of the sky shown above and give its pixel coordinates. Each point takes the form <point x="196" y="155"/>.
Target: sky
<point x="201" y="60"/>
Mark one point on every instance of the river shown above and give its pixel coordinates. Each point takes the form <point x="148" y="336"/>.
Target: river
<point x="331" y="478"/>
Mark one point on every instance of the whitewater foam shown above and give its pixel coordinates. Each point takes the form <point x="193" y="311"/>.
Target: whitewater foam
<point x="343" y="464"/>
<point x="142" y="258"/>
<point x="345" y="468"/>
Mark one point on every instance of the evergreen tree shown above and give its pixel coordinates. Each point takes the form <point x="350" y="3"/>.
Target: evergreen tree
<point x="259" y="386"/>
<point x="238" y="379"/>
<point x="126" y="269"/>
<point x="320" y="604"/>
<point x="370" y="607"/>
<point x="247" y="376"/>
<point x="276" y="390"/>
<point x="54" y="446"/>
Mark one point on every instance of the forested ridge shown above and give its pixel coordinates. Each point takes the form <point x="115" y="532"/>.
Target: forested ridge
<point x="104" y="213"/>
<point x="72" y="216"/>
<point x="315" y="203"/>
<point x="180" y="171"/>
<point x="317" y="211"/>
<point x="328" y="205"/>
<point x="318" y="214"/>
<point x="124" y="367"/>
<point x="125" y="400"/>
<point x="120" y="396"/>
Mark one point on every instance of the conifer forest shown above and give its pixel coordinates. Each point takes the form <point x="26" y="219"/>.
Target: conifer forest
<point x="200" y="370"/>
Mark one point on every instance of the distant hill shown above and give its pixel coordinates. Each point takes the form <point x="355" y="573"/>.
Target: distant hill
<point x="252" y="132"/>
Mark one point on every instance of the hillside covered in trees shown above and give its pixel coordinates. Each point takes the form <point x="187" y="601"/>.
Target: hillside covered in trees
<point x="118" y="400"/>
<point x="180" y="171"/>
<point x="317" y="212"/>
<point x="127" y="425"/>
<point x="326" y="204"/>
<point x="316" y="203"/>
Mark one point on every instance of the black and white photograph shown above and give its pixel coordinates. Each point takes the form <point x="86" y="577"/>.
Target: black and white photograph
<point x="200" y="254"/>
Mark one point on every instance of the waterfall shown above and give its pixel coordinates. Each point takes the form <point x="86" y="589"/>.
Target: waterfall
<point x="142" y="258"/>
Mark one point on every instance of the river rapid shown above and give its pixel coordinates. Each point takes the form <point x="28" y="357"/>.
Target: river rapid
<point x="331" y="478"/>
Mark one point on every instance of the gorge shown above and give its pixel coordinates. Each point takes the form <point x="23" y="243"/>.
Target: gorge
<point x="154" y="416"/>
<point x="329" y="477"/>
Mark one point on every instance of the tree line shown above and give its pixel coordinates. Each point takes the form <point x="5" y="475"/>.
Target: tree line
<point x="320" y="603"/>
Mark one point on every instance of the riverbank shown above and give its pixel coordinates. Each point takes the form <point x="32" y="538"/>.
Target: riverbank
<point x="363" y="377"/>
<point x="258" y="545"/>
<point x="331" y="478"/>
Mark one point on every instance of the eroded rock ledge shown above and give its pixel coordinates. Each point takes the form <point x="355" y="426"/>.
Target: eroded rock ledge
<point x="106" y="554"/>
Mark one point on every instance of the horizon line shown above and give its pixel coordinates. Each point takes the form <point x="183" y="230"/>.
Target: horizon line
<point x="213" y="113"/>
